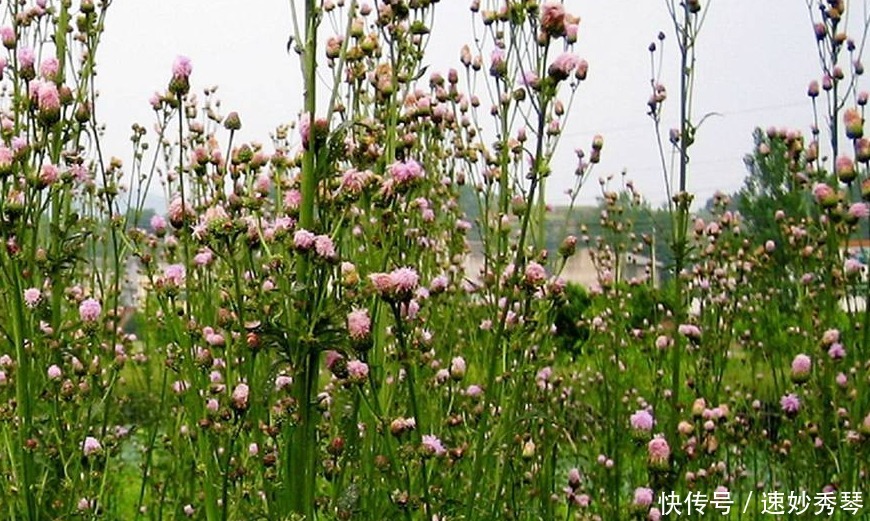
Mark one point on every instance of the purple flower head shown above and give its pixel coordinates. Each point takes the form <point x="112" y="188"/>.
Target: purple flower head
<point x="836" y="351"/>
<point x="357" y="371"/>
<point x="659" y="452"/>
<point x="405" y="279"/>
<point x="54" y="373"/>
<point x="432" y="445"/>
<point x="174" y="275"/>
<point x="800" y="368"/>
<point x="7" y="37"/>
<point x="563" y="66"/>
<point x="182" y="67"/>
<point x="553" y="18"/>
<point x="303" y="240"/>
<point x="642" y="420"/>
<point x="26" y="57"/>
<point x="240" y="396"/>
<point x="91" y="446"/>
<point x="458" y="368"/>
<point x="406" y="172"/>
<point x="790" y="404"/>
<point x="535" y="274"/>
<point x="90" y="310"/>
<point x="32" y="297"/>
<point x="359" y="325"/>
<point x="643" y="497"/>
<point x="324" y="247"/>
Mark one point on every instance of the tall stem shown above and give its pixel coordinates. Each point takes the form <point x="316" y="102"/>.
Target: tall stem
<point x="301" y="469"/>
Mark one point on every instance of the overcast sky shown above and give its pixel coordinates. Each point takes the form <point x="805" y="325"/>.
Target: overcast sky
<point x="755" y="61"/>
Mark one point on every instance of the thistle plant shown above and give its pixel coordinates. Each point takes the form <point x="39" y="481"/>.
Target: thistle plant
<point x="303" y="332"/>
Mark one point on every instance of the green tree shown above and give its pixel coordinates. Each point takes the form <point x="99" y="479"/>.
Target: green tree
<point x="772" y="184"/>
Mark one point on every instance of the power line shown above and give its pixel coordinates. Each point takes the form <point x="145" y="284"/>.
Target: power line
<point x="625" y="128"/>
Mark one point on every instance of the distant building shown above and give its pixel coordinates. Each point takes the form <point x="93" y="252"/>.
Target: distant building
<point x="580" y="269"/>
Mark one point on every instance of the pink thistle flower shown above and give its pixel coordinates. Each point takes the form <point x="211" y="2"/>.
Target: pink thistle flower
<point x="292" y="199"/>
<point x="824" y="194"/>
<point x="354" y="181"/>
<point x="800" y="368"/>
<point x="836" y="351"/>
<point x="432" y="446"/>
<point x="181" y="70"/>
<point x="7" y="156"/>
<point x="571" y="31"/>
<point x="383" y="283"/>
<point x="841" y="379"/>
<point x="90" y="310"/>
<point x="240" y="397"/>
<point x="497" y="63"/>
<point x="404" y="280"/>
<point x="177" y="212"/>
<point x="203" y="257"/>
<point x="859" y="210"/>
<point x="401" y="425"/>
<point x="212" y="338"/>
<point x="574" y="478"/>
<point x="357" y="371"/>
<point x="282" y="381"/>
<point x="54" y="373"/>
<point x="642" y="421"/>
<point x="474" y="391"/>
<point x="830" y="336"/>
<point x="263" y="184"/>
<point x="535" y="274"/>
<point x="359" y="324"/>
<point x="790" y="404"/>
<point x="845" y="168"/>
<point x="690" y="331"/>
<point x="49" y="101"/>
<point x="406" y="172"/>
<point x="158" y="224"/>
<point x="48" y="68"/>
<point x="853" y="266"/>
<point x="438" y="284"/>
<point x="182" y="67"/>
<point x="324" y="247"/>
<point x="659" y="452"/>
<point x="553" y="18"/>
<point x="643" y="497"/>
<point x="543" y="377"/>
<point x="91" y="446"/>
<point x="7" y="36"/>
<point x="174" y="275"/>
<point x="26" y="58"/>
<point x="303" y="240"/>
<point x="180" y="386"/>
<point x="32" y="296"/>
<point x="458" y="368"/>
<point x="663" y="342"/>
<point x="563" y="66"/>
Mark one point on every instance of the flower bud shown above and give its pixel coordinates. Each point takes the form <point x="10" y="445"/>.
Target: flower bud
<point x="233" y="122"/>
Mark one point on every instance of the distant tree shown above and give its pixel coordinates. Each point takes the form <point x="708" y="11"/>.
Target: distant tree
<point x="143" y="219"/>
<point x="571" y="331"/>
<point x="772" y="184"/>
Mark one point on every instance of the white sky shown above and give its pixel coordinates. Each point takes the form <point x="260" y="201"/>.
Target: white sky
<point x="755" y="61"/>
